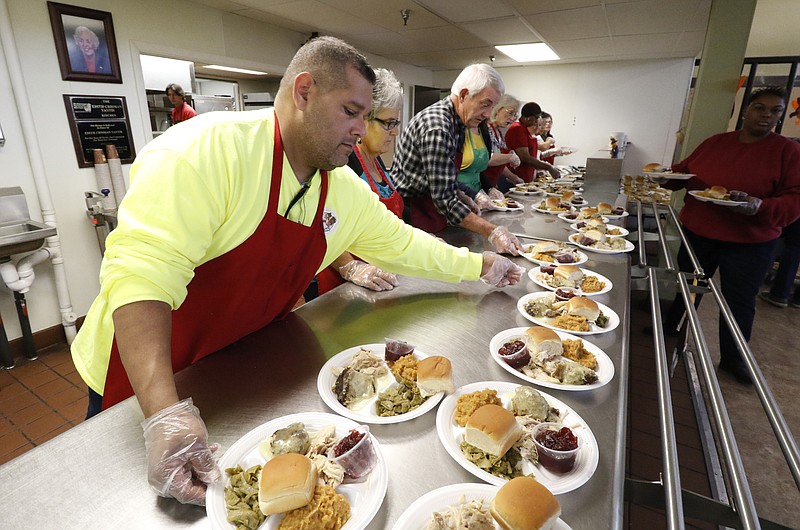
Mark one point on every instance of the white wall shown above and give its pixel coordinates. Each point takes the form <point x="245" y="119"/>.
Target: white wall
<point x="144" y="26"/>
<point x="589" y="101"/>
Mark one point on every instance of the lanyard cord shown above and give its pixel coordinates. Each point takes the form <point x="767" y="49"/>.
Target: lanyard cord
<point x="297" y="197"/>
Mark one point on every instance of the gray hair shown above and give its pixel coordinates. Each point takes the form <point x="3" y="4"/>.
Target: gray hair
<point x="475" y="78"/>
<point x="506" y="101"/>
<point x="83" y="29"/>
<point x="387" y="92"/>
<point x="326" y="59"/>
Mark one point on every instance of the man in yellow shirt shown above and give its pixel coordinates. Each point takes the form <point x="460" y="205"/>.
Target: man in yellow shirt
<point x="228" y="218"/>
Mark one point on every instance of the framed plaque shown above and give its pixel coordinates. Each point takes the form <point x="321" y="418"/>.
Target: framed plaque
<point x="97" y="121"/>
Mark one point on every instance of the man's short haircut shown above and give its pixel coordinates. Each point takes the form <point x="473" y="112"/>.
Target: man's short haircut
<point x="768" y="91"/>
<point x="506" y="101"/>
<point x="387" y="92"/>
<point x="326" y="59"/>
<point x="175" y="87"/>
<point x="475" y="78"/>
<point x="530" y="109"/>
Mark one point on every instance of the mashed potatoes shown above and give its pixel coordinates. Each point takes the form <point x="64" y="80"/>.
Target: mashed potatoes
<point x="328" y="510"/>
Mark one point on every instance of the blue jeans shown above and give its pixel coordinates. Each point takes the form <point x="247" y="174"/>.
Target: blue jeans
<point x="789" y="261"/>
<point x="742" y="267"/>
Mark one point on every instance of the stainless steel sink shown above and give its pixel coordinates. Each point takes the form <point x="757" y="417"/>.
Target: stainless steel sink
<point x="25" y="236"/>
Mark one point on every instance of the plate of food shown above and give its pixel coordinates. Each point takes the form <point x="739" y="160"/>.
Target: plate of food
<point x="600" y="226"/>
<point x="579" y="315"/>
<point x="572" y="217"/>
<point x="719" y="195"/>
<point x="596" y="241"/>
<point x="668" y="175"/>
<point x="299" y="452"/>
<point x="552" y="359"/>
<point x="371" y="384"/>
<point x="546" y="252"/>
<point x="507" y="205"/>
<point x="581" y="281"/>
<point x="553" y="206"/>
<point x="526" y="192"/>
<point x="558" y="191"/>
<point x="469" y="505"/>
<point x="489" y="428"/>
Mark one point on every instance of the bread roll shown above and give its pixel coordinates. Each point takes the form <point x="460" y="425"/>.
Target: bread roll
<point x="434" y="375"/>
<point x="653" y="168"/>
<point x="597" y="224"/>
<point x="543" y="343"/>
<point x="545" y="247"/>
<point x="492" y="429"/>
<point x="604" y="208"/>
<point x="589" y="212"/>
<point x="580" y="306"/>
<point x="569" y="272"/>
<point x="595" y="234"/>
<point x="524" y="504"/>
<point x="552" y="203"/>
<point x="567" y="195"/>
<point x="287" y="482"/>
<point x="717" y="192"/>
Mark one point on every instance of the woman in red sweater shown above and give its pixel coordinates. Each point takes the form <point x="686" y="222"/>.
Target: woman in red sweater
<point x="739" y="241"/>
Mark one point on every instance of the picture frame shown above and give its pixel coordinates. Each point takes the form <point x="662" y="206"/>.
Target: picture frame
<point x="85" y="44"/>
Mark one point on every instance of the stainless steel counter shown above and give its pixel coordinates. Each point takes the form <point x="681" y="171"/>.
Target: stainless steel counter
<point x="94" y="476"/>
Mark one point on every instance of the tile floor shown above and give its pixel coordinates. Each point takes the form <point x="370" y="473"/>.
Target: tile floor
<point x="38" y="400"/>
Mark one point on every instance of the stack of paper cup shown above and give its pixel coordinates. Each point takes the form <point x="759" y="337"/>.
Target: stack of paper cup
<point x="103" y="176"/>
<point x="115" y="167"/>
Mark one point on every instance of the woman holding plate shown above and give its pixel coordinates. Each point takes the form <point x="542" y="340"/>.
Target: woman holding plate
<point x="739" y="238"/>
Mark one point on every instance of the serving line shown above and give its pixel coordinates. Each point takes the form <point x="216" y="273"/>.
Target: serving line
<point x="273" y="372"/>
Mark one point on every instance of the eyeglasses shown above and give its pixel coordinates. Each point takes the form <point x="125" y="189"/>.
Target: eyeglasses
<point x="388" y="124"/>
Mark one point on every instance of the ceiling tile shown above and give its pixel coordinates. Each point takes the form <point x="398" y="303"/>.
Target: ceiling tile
<point x="385" y="43"/>
<point x="444" y="38"/>
<point x="450" y="60"/>
<point x="222" y="5"/>
<point x="327" y="19"/>
<point x="690" y="41"/>
<point x="466" y="11"/>
<point x="652" y="16"/>
<point x="386" y="13"/>
<point x="509" y="30"/>
<point x="584" y="48"/>
<point x="531" y="7"/>
<point x="584" y="23"/>
<point x="275" y="20"/>
<point x="653" y="43"/>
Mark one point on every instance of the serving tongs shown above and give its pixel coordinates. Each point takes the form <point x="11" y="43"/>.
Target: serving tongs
<point x="525" y="236"/>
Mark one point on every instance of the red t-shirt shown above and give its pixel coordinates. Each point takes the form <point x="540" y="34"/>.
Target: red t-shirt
<point x="182" y="113"/>
<point x="768" y="169"/>
<point x="518" y="136"/>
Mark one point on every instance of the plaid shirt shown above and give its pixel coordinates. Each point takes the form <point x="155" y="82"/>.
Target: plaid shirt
<point x="425" y="159"/>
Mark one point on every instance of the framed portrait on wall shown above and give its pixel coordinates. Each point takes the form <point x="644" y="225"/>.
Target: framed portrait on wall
<point x="85" y="44"/>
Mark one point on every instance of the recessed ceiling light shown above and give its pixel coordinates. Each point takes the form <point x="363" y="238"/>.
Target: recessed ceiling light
<point x="524" y="53"/>
<point x="232" y="69"/>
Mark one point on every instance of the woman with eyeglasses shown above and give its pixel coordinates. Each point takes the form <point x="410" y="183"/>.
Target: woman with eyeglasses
<point x="498" y="172"/>
<point x="760" y="171"/>
<point x="383" y="125"/>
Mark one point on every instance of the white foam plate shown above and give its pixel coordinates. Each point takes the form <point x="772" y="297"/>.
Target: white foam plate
<point x="451" y="436"/>
<point x="670" y="175"/>
<point x="501" y="208"/>
<point x="420" y="512"/>
<point x="612" y="216"/>
<point x="622" y="231"/>
<point x="365" y="497"/>
<point x="573" y="238"/>
<point x="582" y="258"/>
<point x="527" y="192"/>
<point x="605" y="367"/>
<point x="577" y="191"/>
<point x="594" y="329"/>
<point x="366" y="414"/>
<point x="563" y="217"/>
<point x="721" y="202"/>
<point x="535" y="272"/>
<point x="551" y="212"/>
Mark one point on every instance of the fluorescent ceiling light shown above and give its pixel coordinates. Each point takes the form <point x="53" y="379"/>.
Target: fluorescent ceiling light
<point x="232" y="69"/>
<point x="524" y="53"/>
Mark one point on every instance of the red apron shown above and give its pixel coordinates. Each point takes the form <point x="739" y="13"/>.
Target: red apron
<point x="243" y="290"/>
<point x="423" y="212"/>
<point x="329" y="277"/>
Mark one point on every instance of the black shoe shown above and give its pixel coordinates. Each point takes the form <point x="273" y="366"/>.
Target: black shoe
<point x="738" y="370"/>
<point x="777" y="302"/>
<point x="794" y="303"/>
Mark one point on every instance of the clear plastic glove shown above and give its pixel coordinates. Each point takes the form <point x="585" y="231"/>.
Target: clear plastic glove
<point x="749" y="208"/>
<point x="513" y="178"/>
<point x="500" y="271"/>
<point x="504" y="241"/>
<point x="514" y="162"/>
<point x="463" y="197"/>
<point x="554" y="172"/>
<point x="368" y="276"/>
<point x="555" y="151"/>
<point x="179" y="458"/>
<point x="484" y="202"/>
<point x="495" y="194"/>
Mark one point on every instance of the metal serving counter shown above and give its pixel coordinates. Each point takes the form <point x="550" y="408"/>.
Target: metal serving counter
<point x="94" y="475"/>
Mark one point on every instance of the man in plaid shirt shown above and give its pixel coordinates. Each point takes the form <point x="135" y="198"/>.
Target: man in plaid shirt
<point x="429" y="156"/>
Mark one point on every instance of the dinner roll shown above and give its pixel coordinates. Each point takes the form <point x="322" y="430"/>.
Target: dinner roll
<point x="580" y="306"/>
<point x="543" y="343"/>
<point x="492" y="429"/>
<point x="287" y="482"/>
<point x="434" y="375"/>
<point x="604" y="208"/>
<point x="524" y="504"/>
<point x="545" y="247"/>
<point x="569" y="272"/>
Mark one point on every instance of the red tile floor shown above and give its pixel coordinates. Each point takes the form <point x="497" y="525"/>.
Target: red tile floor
<point x="38" y="400"/>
